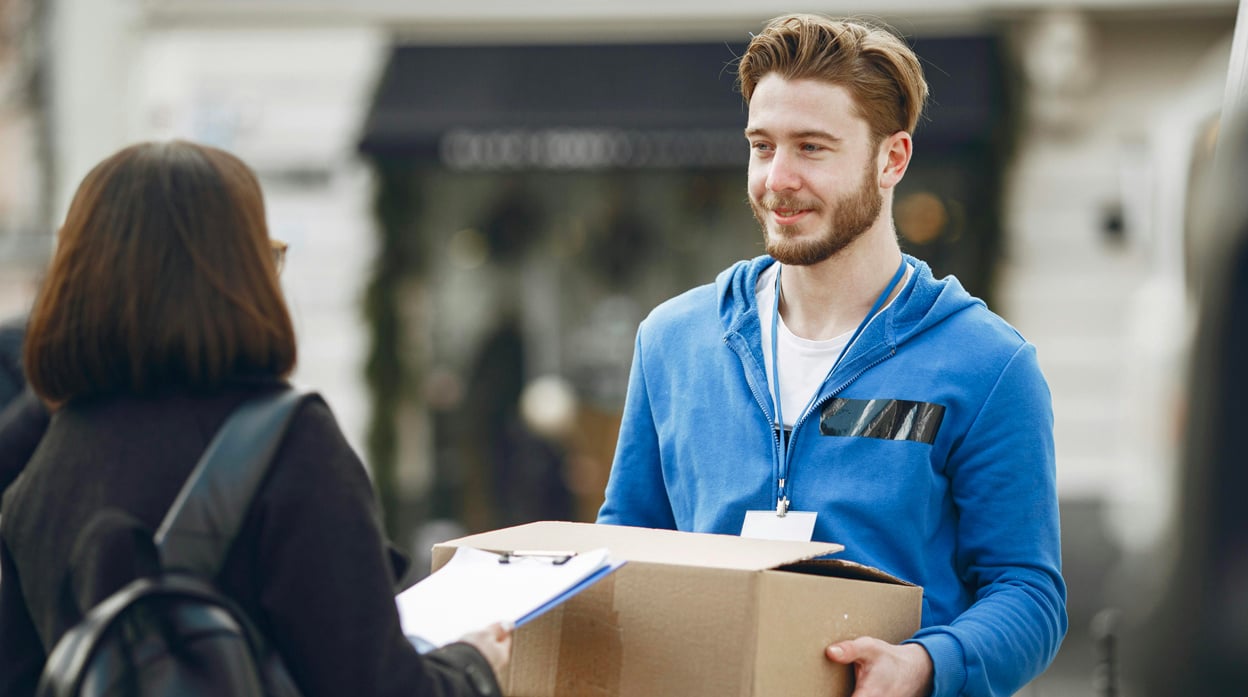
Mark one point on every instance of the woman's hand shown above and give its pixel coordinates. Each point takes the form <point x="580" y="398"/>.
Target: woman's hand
<point x="494" y="642"/>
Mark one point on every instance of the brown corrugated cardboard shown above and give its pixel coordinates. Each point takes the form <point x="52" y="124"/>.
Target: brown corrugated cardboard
<point x="693" y="614"/>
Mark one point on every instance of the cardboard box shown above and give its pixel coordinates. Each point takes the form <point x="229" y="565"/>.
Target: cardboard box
<point x="693" y="614"/>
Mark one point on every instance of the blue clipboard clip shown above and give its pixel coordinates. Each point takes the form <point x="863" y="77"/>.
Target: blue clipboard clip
<point x="557" y="558"/>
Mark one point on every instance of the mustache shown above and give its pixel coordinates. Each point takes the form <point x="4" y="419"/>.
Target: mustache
<point x="771" y="202"/>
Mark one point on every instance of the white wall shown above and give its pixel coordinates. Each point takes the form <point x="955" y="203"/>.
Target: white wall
<point x="1110" y="320"/>
<point x="92" y="56"/>
<point x="287" y="101"/>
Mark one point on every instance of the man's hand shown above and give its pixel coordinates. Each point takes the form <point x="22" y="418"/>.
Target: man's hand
<point x="885" y="670"/>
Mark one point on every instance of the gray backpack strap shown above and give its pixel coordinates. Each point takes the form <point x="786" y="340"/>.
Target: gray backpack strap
<point x="200" y="526"/>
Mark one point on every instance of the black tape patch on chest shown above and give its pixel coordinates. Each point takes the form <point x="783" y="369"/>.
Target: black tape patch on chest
<point x="890" y="419"/>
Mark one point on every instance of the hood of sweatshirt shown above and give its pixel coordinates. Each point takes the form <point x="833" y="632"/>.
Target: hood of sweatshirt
<point x="923" y="303"/>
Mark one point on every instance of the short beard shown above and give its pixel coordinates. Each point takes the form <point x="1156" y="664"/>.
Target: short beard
<point x="852" y="216"/>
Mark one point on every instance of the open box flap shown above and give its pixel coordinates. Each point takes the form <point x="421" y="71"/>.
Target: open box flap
<point x="649" y="545"/>
<point x="842" y="568"/>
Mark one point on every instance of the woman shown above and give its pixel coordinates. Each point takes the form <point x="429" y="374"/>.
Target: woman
<point x="161" y="312"/>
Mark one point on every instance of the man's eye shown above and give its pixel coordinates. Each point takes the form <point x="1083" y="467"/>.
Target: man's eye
<point x="811" y="147"/>
<point x="760" y="147"/>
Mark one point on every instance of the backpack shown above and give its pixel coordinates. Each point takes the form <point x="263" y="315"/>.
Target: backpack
<point x="171" y="631"/>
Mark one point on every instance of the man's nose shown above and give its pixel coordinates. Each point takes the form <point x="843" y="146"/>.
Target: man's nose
<point x="784" y="173"/>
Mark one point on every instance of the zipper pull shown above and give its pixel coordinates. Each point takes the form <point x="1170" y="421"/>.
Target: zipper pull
<point x="783" y="502"/>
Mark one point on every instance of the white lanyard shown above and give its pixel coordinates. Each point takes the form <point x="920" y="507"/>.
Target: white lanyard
<point x="782" y="461"/>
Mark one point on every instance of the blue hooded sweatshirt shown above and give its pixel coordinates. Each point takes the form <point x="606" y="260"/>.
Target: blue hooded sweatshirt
<point x="928" y="454"/>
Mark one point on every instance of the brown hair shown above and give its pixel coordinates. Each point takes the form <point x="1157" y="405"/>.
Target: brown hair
<point x="163" y="278"/>
<point x="878" y="68"/>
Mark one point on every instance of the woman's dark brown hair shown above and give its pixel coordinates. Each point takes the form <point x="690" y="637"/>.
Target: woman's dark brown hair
<point x="163" y="279"/>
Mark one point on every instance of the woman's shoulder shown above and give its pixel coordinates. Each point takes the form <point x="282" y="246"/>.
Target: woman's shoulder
<point x="314" y="461"/>
<point x="315" y="431"/>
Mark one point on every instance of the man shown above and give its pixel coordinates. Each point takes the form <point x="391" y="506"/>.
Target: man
<point x="926" y="448"/>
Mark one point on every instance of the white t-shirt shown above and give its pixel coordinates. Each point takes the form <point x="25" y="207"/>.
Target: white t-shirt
<point x="804" y="363"/>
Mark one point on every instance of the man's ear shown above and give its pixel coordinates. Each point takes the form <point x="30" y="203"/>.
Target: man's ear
<point x="894" y="158"/>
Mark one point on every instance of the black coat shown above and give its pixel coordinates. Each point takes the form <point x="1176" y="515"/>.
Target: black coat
<point x="310" y="564"/>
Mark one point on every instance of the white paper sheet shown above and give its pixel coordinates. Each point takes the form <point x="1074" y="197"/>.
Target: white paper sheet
<point x="474" y="590"/>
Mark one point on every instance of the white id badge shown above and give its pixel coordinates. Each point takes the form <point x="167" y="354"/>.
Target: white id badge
<point x="766" y="525"/>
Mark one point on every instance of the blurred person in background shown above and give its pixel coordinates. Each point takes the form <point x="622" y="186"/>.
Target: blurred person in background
<point x="11" y="380"/>
<point x="161" y="312"/>
<point x="1192" y="637"/>
<point x="834" y="389"/>
<point x="22" y="423"/>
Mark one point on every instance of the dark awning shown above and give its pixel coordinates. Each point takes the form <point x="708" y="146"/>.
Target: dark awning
<point x="557" y="105"/>
<point x="616" y="105"/>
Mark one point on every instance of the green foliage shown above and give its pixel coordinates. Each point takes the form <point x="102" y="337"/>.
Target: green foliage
<point x="390" y="367"/>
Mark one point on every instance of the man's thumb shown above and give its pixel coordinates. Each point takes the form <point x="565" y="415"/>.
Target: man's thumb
<point x="844" y="652"/>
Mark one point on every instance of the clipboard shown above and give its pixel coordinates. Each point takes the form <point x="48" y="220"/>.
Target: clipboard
<point x="477" y="588"/>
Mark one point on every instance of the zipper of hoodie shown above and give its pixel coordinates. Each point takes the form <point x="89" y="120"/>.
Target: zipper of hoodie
<point x="818" y="403"/>
<point x="877" y="311"/>
<point x="777" y="445"/>
<point x="833" y="393"/>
